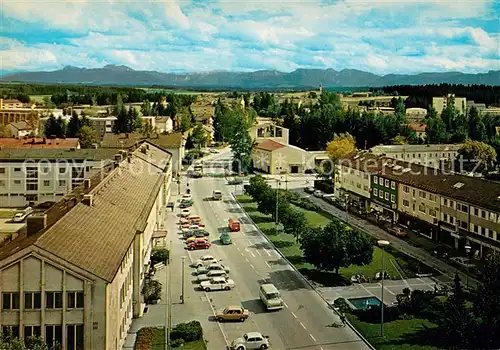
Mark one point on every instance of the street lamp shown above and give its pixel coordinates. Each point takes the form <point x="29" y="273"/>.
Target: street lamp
<point x="382" y="244"/>
<point x="182" y="281"/>
<point x="277" y="193"/>
<point x="346" y="208"/>
<point x="467" y="250"/>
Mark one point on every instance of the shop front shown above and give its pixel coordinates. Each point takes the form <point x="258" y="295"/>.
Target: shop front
<point x="421" y="227"/>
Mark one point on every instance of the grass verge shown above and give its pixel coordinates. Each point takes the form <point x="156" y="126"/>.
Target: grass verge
<point x="159" y="339"/>
<point x="7" y="213"/>
<point x="194" y="345"/>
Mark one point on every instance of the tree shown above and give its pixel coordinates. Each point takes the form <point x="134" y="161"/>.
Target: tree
<point x="74" y="125"/>
<point x="476" y="127"/>
<point x="160" y="255"/>
<point x="5" y="131"/>
<point x="294" y="221"/>
<point x="55" y="127"/>
<point x="146" y="108"/>
<point x="399" y="110"/>
<point x="257" y="187"/>
<point x="151" y="291"/>
<point x="199" y="136"/>
<point x="87" y="136"/>
<point x="147" y="129"/>
<point x="399" y="140"/>
<point x="184" y="123"/>
<point x="8" y="342"/>
<point x="340" y="146"/>
<point x="480" y="151"/>
<point x="436" y="131"/>
<point x="335" y="246"/>
<point x="241" y="145"/>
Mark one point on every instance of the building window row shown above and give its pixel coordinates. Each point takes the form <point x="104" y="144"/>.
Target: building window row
<point x="33" y="300"/>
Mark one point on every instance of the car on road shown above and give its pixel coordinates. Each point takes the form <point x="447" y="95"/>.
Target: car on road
<point x="22" y="215"/>
<point x="235" y="182"/>
<point x="309" y="189"/>
<point x="217" y="195"/>
<point x="270" y="296"/>
<point x="217" y="283"/>
<point x="211" y="274"/>
<point x="397" y="231"/>
<point x="212" y="267"/>
<point x="198" y="233"/>
<point x="465" y="262"/>
<point x="318" y="194"/>
<point x="250" y="341"/>
<point x="233" y="225"/>
<point x="199" y="243"/>
<point x="186" y="204"/>
<point x="214" y="151"/>
<point x="225" y="239"/>
<point x="185" y="213"/>
<point x="205" y="260"/>
<point x="232" y="313"/>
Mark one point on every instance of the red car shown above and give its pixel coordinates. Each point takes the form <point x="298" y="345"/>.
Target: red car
<point x="199" y="243"/>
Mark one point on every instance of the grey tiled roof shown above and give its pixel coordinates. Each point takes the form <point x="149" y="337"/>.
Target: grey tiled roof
<point x="172" y="140"/>
<point x="48" y="153"/>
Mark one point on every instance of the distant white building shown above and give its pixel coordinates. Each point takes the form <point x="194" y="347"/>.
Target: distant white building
<point x="21" y="129"/>
<point x="440" y="103"/>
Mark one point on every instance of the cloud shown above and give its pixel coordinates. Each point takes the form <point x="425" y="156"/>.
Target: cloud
<point x="380" y="36"/>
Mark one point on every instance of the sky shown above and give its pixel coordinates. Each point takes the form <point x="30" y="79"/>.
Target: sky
<point x="378" y="36"/>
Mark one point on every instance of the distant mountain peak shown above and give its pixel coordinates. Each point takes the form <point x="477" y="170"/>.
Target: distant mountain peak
<point x="118" y="68"/>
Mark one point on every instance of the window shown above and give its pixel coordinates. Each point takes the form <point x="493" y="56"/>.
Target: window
<point x="462" y="207"/>
<point x="17" y="169"/>
<point x="31" y="173"/>
<point x="422" y="194"/>
<point x="2" y="170"/>
<point x="387" y="183"/>
<point x="406" y="189"/>
<point x="386" y="196"/>
<point x="452" y="220"/>
<point x="53" y="300"/>
<point x="10" y="301"/>
<point x="32" y="300"/>
<point x="375" y="179"/>
<point x="62" y="170"/>
<point x="493" y="217"/>
<point x="75" y="300"/>
<point x="476" y="212"/>
<point x="62" y="183"/>
<point x="31" y="331"/>
<point x="431" y="197"/>
<point x="406" y="203"/>
<point x="393" y="198"/>
<point x="375" y="192"/>
<point x="17" y="182"/>
<point x="421" y="208"/>
<point x="53" y="335"/>
<point x="452" y="204"/>
<point x="365" y="176"/>
<point x="31" y="187"/>
<point x="432" y="212"/>
<point x="365" y="187"/>
<point x="74" y="337"/>
<point x="381" y="194"/>
<point x="393" y="185"/>
<point x="31" y="197"/>
<point x="463" y="224"/>
<point x="445" y="202"/>
<point x="484" y="213"/>
<point x="2" y="182"/>
<point x="14" y="330"/>
<point x="46" y="183"/>
<point x="358" y="185"/>
<point x="414" y="192"/>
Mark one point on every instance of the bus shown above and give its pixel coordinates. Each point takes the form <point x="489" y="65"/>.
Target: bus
<point x="198" y="170"/>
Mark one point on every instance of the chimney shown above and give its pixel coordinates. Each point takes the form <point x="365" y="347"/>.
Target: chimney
<point x="86" y="184"/>
<point x="35" y="223"/>
<point x="88" y="199"/>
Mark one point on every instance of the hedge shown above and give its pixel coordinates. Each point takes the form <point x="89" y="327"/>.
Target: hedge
<point x="189" y="331"/>
<point x="324" y="185"/>
<point x="145" y="338"/>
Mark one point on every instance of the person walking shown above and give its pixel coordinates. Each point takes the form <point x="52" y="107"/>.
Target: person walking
<point x="343" y="319"/>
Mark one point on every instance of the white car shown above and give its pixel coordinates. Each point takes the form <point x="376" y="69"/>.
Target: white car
<point x="211" y="267"/>
<point x="214" y="151"/>
<point x="185" y="213"/>
<point x="187" y="197"/>
<point x="217" y="283"/>
<point x="205" y="260"/>
<point x="251" y="340"/>
<point x="210" y="275"/>
<point x="318" y="194"/>
<point x="465" y="262"/>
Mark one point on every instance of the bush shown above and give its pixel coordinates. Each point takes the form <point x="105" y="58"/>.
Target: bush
<point x="145" y="338"/>
<point x="151" y="291"/>
<point x="160" y="255"/>
<point x="189" y="331"/>
<point x="342" y="305"/>
<point x="177" y="343"/>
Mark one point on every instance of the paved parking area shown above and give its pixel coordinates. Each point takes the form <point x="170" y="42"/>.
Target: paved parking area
<point x="391" y="289"/>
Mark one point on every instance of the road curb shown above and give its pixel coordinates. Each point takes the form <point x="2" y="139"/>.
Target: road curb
<point x="301" y="275"/>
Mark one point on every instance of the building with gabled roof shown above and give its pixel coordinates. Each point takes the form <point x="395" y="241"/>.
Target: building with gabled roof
<point x="75" y="276"/>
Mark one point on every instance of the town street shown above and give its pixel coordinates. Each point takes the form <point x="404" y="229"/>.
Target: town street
<point x="302" y="324"/>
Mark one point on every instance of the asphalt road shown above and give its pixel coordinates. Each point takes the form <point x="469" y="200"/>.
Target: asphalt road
<point x="302" y="324"/>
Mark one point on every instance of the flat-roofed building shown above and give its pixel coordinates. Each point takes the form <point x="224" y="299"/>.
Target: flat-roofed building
<point x="440" y="103"/>
<point x="76" y="276"/>
<point x="10" y="104"/>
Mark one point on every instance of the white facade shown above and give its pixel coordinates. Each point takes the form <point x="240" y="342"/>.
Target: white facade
<point x="433" y="156"/>
<point x="353" y="180"/>
<point x="22" y="182"/>
<point x="164" y="124"/>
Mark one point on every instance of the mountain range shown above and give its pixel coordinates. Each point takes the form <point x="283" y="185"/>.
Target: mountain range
<point x="262" y="79"/>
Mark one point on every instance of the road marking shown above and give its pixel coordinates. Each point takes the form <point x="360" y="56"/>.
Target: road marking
<point x="294" y="315"/>
<point x="302" y="325"/>
<point x="252" y="266"/>
<point x="285" y="304"/>
<point x="238" y="249"/>
<point x="249" y="243"/>
<point x="267" y="264"/>
<point x="247" y="260"/>
<point x="312" y="337"/>
<point x="258" y="253"/>
<point x="320" y="348"/>
<point x="267" y="251"/>
<point x="252" y="254"/>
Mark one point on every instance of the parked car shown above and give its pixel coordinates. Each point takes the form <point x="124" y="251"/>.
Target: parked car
<point x="217" y="283"/>
<point x="22" y="215"/>
<point x="192" y="239"/>
<point x="235" y="181"/>
<point x="232" y="313"/>
<point x="205" y="260"/>
<point x="251" y="340"/>
<point x="199" y="243"/>
<point x="211" y="275"/>
<point x="212" y="267"/>
<point x="214" y="151"/>
<point x="465" y="262"/>
<point x="198" y="233"/>
<point x="225" y="238"/>
<point x="186" y="197"/>
<point x="217" y="195"/>
<point x="186" y="204"/>
<point x="397" y="231"/>
<point x="318" y="194"/>
<point x="185" y="213"/>
<point x="309" y="189"/>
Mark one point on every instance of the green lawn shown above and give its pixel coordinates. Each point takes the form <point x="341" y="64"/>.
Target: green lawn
<point x="287" y="245"/>
<point x="7" y="213"/>
<point x="159" y="341"/>
<point x="400" y="334"/>
<point x="193" y="345"/>
<point x="38" y="98"/>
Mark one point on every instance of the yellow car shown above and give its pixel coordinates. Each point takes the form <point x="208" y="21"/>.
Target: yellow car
<point x="232" y="313"/>
<point x="193" y="238"/>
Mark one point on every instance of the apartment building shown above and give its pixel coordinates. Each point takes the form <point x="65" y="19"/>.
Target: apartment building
<point x="10" y="104"/>
<point x="415" y="115"/>
<point x="76" y="276"/>
<point x="433" y="156"/>
<point x="30" y="176"/>
<point x="440" y="103"/>
<point x="384" y="197"/>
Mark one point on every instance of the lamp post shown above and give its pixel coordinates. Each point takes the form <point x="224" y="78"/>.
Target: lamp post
<point x="277" y="194"/>
<point x="346" y="208"/>
<point x="382" y="244"/>
<point x="467" y="251"/>
<point x="182" y="281"/>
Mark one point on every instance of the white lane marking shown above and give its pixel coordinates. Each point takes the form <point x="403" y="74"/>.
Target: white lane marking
<point x="267" y="251"/>
<point x="247" y="260"/>
<point x="320" y="348"/>
<point x="294" y="315"/>
<point x="248" y="251"/>
<point x="238" y="249"/>
<point x="249" y="243"/>
<point x="258" y="253"/>
<point x="302" y="325"/>
<point x="285" y="304"/>
<point x="267" y="264"/>
<point x="312" y="337"/>
<point x="252" y="266"/>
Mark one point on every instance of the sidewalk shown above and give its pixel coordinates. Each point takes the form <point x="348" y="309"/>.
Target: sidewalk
<point x="448" y="271"/>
